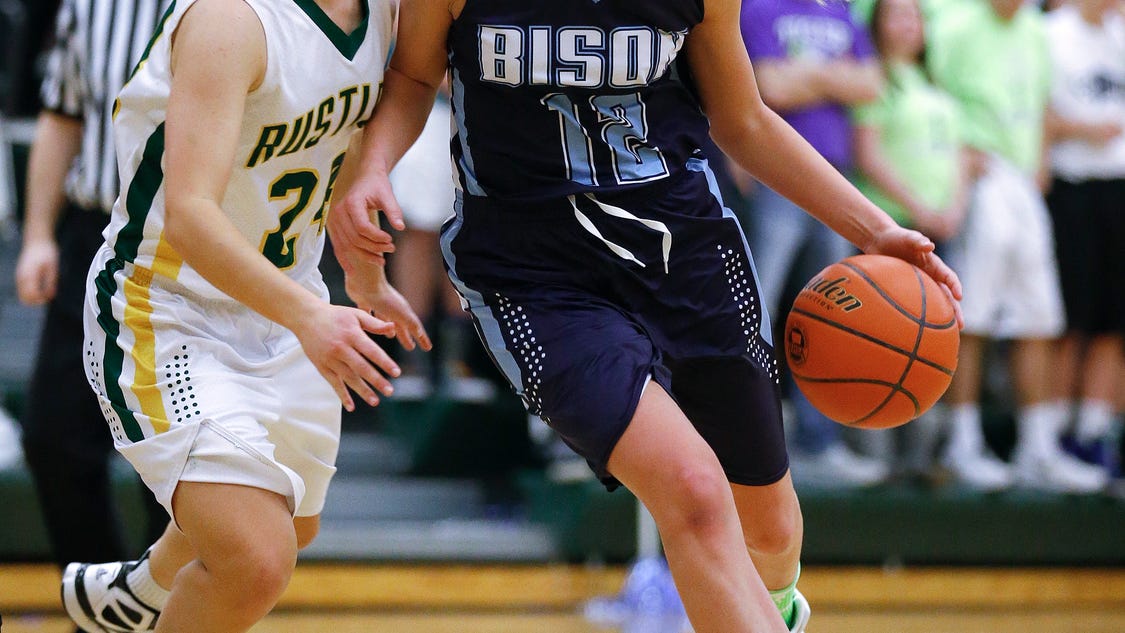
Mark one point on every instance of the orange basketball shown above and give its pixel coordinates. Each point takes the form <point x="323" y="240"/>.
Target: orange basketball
<point x="872" y="341"/>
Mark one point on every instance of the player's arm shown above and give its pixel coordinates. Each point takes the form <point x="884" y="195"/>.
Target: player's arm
<point x="767" y="147"/>
<point x="409" y="87"/>
<point x="368" y="286"/>
<point x="219" y="56"/>
<point x="58" y="139"/>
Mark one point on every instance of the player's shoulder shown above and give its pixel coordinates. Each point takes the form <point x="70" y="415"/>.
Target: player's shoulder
<point x="231" y="22"/>
<point x="220" y="16"/>
<point x="226" y="29"/>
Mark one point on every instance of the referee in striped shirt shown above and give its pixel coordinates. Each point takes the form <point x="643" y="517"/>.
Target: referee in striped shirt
<point x="72" y="183"/>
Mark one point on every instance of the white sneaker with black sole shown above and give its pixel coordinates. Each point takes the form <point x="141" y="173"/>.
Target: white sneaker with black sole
<point x="99" y="600"/>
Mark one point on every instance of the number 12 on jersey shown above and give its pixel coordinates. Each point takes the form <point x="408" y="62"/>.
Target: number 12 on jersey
<point x="616" y="122"/>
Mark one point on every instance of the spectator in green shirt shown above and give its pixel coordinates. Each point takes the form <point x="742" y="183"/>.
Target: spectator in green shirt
<point x="992" y="56"/>
<point x="911" y="161"/>
<point x="908" y="146"/>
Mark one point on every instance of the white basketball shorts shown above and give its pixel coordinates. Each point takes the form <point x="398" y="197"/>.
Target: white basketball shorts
<point x="207" y="391"/>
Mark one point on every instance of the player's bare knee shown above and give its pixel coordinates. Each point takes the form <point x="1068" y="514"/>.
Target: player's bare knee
<point x="701" y="497"/>
<point x="263" y="574"/>
<point x="775" y="533"/>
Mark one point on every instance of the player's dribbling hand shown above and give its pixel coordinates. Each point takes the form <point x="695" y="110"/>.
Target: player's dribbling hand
<point x="373" y="294"/>
<point x="918" y="249"/>
<point x="353" y="224"/>
<point x="335" y="338"/>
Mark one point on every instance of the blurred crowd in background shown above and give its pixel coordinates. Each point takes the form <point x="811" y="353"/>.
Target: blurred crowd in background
<point x="993" y="126"/>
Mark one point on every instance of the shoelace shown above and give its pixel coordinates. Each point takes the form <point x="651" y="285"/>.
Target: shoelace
<point x="618" y="212"/>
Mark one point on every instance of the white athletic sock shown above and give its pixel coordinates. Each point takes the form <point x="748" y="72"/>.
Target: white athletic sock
<point x="965" y="434"/>
<point x="1062" y="409"/>
<point x="1039" y="427"/>
<point x="1095" y="419"/>
<point x="145" y="587"/>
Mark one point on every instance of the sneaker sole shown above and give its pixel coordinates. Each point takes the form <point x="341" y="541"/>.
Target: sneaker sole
<point x="75" y="602"/>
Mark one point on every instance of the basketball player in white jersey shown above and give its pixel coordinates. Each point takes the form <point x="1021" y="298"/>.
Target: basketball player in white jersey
<point x="210" y="341"/>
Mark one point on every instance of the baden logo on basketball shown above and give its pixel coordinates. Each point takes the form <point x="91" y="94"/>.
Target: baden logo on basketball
<point x="833" y="292"/>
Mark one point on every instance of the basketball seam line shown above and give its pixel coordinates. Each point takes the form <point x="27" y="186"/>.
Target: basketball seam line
<point x="912" y="358"/>
<point x="897" y="306"/>
<point x="869" y="338"/>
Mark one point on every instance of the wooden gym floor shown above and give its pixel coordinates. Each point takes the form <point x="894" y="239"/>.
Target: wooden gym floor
<point x="350" y="598"/>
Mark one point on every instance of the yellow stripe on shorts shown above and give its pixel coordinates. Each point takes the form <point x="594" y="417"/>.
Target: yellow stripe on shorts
<point x="138" y="319"/>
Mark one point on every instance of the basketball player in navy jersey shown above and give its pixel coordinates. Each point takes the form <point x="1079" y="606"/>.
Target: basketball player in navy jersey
<point x="609" y="283"/>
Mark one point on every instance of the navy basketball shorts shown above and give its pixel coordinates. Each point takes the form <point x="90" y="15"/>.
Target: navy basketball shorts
<point x="580" y="301"/>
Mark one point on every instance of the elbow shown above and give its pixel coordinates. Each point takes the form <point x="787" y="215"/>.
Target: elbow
<point x="175" y="229"/>
<point x="730" y="133"/>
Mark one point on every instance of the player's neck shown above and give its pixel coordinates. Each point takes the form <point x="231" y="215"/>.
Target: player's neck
<point x="347" y="14"/>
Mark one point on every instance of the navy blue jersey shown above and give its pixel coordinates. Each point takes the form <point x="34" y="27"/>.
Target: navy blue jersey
<point x="571" y="96"/>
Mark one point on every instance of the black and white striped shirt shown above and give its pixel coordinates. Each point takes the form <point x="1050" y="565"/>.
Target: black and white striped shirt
<point x="97" y="44"/>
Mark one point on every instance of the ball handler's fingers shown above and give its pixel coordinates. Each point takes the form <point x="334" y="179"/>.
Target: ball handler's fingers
<point x="943" y="274"/>
<point x="948" y="281"/>
<point x="956" y="306"/>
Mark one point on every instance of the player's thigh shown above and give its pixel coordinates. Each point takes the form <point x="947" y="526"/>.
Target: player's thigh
<point x="577" y="362"/>
<point x="228" y="524"/>
<point x="735" y="407"/>
<point x="305" y="433"/>
<point x="663" y="460"/>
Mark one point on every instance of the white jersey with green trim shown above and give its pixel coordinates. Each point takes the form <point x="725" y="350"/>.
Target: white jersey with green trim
<point x="320" y="86"/>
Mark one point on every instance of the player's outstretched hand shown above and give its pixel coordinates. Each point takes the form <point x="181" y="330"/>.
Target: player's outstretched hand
<point x="373" y="294"/>
<point x="335" y="338"/>
<point x="918" y="249"/>
<point x="353" y="223"/>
